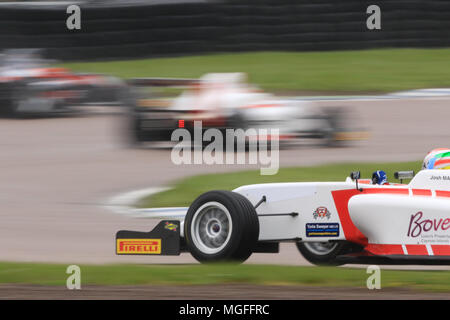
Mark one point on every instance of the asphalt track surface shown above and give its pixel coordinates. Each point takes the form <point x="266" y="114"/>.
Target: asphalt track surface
<point x="56" y="173"/>
<point x="208" y="292"/>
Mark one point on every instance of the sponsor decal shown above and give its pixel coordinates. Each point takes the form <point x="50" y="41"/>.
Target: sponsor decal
<point x="322" y="229"/>
<point x="419" y="226"/>
<point x="138" y="246"/>
<point x="446" y="178"/>
<point x="170" y="226"/>
<point x="322" y="212"/>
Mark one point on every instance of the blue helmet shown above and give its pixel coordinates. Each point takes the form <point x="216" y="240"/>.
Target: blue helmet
<point x="379" y="177"/>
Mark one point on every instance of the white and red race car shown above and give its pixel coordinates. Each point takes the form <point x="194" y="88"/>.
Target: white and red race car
<point x="29" y="85"/>
<point x="332" y="223"/>
<point x="227" y="101"/>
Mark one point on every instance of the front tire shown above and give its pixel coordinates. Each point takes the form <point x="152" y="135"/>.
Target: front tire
<point x="221" y="226"/>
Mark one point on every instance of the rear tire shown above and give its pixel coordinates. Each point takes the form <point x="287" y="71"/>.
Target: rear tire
<point x="325" y="253"/>
<point x="336" y="118"/>
<point x="9" y="99"/>
<point x="221" y="226"/>
<point x="137" y="134"/>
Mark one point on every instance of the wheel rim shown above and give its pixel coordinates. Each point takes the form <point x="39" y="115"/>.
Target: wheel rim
<point x="211" y="227"/>
<point x="321" y="248"/>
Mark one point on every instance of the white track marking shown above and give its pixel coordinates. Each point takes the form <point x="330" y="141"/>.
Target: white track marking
<point x="176" y="213"/>
<point x="438" y="92"/>
<point x="124" y="204"/>
<point x="410" y="94"/>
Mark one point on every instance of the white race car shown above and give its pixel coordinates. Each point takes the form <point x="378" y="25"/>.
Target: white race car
<point x="331" y="222"/>
<point x="29" y="85"/>
<point x="227" y="101"/>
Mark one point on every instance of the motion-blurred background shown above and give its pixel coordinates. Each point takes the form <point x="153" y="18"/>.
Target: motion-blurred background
<point x="152" y="28"/>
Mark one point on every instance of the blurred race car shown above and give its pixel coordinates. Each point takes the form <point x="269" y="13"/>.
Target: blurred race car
<point x="227" y="101"/>
<point x="28" y="85"/>
<point x="356" y="221"/>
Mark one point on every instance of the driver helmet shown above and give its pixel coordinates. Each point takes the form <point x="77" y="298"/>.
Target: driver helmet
<point x="379" y="177"/>
<point x="437" y="159"/>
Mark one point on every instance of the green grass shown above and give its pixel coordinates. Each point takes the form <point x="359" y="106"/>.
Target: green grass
<point x="333" y="71"/>
<point x="54" y="274"/>
<point x="185" y="191"/>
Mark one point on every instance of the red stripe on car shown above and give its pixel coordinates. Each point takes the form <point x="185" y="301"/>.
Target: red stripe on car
<point x="417" y="249"/>
<point x="384" y="249"/>
<point x="441" y="249"/>
<point x="421" y="192"/>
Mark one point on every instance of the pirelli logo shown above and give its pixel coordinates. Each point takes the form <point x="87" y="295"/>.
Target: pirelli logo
<point x="138" y="246"/>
